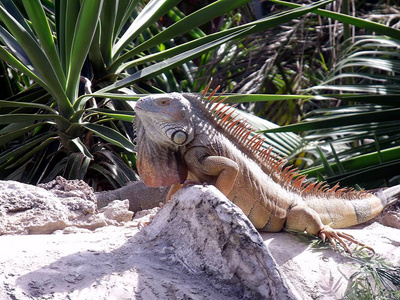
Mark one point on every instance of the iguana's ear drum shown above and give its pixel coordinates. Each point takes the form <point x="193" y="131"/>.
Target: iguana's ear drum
<point x="160" y="166"/>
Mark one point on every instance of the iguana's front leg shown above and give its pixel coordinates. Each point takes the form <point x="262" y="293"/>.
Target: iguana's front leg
<point x="303" y="218"/>
<point x="172" y="190"/>
<point x="217" y="170"/>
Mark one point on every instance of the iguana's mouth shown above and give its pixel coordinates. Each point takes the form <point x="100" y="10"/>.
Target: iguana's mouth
<point x="138" y="108"/>
<point x="136" y="105"/>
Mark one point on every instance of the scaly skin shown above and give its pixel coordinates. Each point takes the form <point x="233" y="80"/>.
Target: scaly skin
<point x="181" y="140"/>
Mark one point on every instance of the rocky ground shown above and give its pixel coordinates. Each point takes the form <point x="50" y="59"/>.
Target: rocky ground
<point x="56" y="244"/>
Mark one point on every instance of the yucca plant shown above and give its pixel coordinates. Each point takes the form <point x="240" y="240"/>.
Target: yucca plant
<point x="73" y="66"/>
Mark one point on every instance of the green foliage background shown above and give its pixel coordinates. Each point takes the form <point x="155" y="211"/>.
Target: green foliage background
<point x="72" y="69"/>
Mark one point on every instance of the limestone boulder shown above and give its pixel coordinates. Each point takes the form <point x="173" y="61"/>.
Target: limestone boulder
<point x="27" y="209"/>
<point x="198" y="246"/>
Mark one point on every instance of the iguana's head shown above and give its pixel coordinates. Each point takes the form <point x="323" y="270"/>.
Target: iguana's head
<point x="167" y="118"/>
<point x="163" y="125"/>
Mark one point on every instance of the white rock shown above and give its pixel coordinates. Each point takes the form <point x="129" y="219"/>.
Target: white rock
<point x="27" y="209"/>
<point x="199" y="246"/>
<point x="325" y="273"/>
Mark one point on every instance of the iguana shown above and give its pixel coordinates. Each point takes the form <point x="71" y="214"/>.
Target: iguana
<point x="185" y="138"/>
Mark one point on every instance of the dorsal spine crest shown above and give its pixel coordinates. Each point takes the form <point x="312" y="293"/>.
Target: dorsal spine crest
<point x="252" y="142"/>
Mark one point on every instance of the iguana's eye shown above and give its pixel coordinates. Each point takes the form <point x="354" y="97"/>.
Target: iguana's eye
<point x="164" y="102"/>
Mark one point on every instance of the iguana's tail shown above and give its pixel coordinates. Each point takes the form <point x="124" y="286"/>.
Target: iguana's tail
<point x="388" y="196"/>
<point x="340" y="214"/>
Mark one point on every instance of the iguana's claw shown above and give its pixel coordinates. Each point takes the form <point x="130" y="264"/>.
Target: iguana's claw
<point x="332" y="234"/>
<point x="175" y="187"/>
<point x="189" y="182"/>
